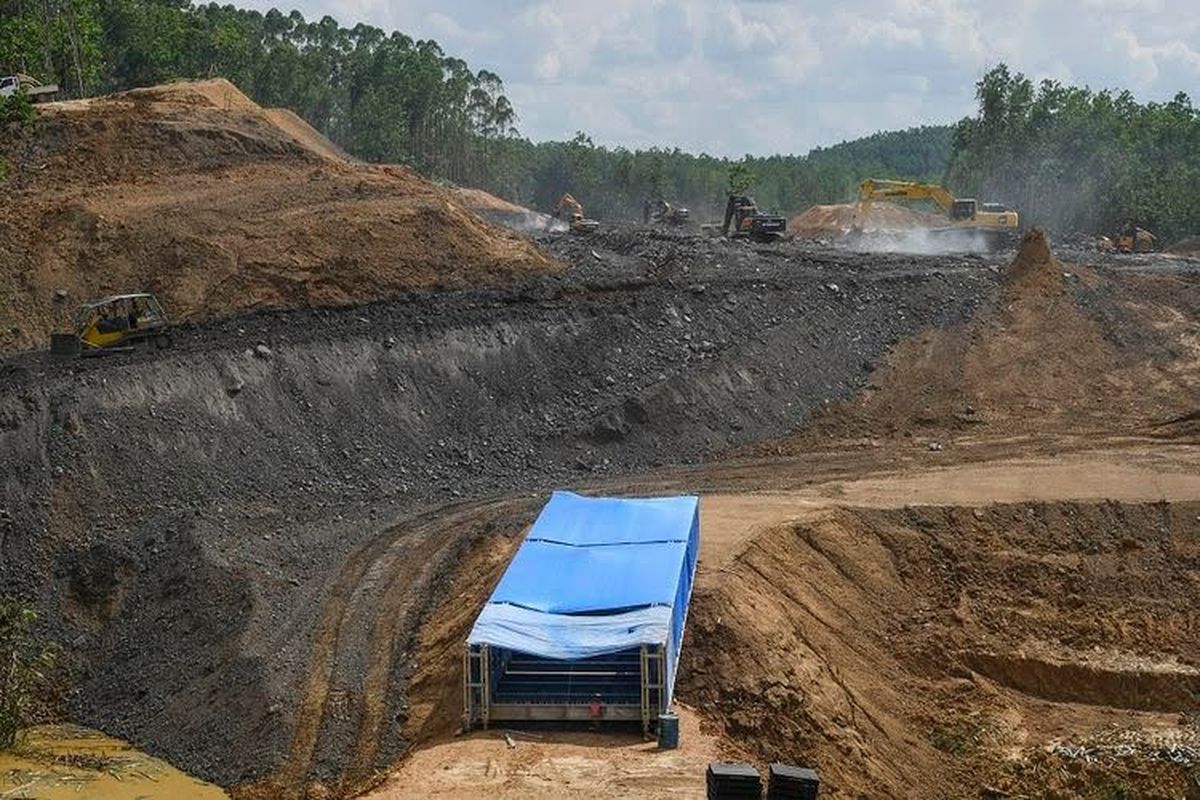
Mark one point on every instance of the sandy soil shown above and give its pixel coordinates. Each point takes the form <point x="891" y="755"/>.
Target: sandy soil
<point x="741" y="604"/>
<point x="560" y="765"/>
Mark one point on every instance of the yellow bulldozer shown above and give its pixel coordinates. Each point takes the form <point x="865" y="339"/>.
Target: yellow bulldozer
<point x="114" y="323"/>
<point x="996" y="221"/>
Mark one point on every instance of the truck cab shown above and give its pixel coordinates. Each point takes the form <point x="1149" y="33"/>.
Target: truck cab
<point x="8" y="85"/>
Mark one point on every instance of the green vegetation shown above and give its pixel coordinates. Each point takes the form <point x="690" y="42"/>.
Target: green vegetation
<point x="1077" y="160"/>
<point x="1114" y="791"/>
<point x="613" y="182"/>
<point x="959" y="739"/>
<point x="16" y="111"/>
<point x="25" y="661"/>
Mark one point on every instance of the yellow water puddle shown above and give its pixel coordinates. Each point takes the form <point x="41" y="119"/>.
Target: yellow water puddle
<point x="55" y="762"/>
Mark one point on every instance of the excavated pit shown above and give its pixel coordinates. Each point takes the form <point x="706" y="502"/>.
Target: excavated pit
<point x="213" y="529"/>
<point x="243" y="540"/>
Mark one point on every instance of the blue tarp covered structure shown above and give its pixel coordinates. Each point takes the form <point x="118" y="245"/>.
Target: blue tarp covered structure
<point x="595" y="577"/>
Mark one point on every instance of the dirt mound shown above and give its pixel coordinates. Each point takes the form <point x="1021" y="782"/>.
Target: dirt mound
<point x="838" y="220"/>
<point x="287" y="120"/>
<point x="216" y="93"/>
<point x="1035" y="269"/>
<point x="193" y="192"/>
<point x="1062" y="349"/>
<point x="479" y="201"/>
<point x="1189" y="247"/>
<point x="946" y="650"/>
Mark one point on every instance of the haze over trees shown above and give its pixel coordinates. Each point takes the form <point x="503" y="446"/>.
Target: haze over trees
<point x="1067" y="157"/>
<point x="1074" y="159"/>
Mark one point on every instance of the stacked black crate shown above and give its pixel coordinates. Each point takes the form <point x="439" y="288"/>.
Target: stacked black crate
<point x="792" y="783"/>
<point x="733" y="781"/>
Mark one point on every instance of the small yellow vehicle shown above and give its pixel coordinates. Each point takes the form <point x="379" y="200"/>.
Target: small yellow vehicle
<point x="114" y="323"/>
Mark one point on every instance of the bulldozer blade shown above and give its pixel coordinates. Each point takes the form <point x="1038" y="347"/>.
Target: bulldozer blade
<point x="64" y="345"/>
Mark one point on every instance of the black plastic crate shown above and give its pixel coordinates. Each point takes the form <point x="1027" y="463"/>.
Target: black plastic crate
<point x="786" y="782"/>
<point x="733" y="781"/>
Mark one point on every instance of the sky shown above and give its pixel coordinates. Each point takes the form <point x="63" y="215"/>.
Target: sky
<point x="730" y="77"/>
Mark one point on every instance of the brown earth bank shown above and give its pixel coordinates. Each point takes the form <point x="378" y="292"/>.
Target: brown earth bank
<point x="193" y="192"/>
<point x="961" y="652"/>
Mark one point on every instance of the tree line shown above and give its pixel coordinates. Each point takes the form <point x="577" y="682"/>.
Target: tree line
<point x="614" y="182"/>
<point x="1073" y="159"/>
<point x="1067" y="157"/>
<point x="389" y="98"/>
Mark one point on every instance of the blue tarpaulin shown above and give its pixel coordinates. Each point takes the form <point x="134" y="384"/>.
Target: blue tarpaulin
<point x="597" y="576"/>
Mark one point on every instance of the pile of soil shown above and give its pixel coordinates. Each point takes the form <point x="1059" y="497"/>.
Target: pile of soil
<point x="195" y="193"/>
<point x="480" y="201"/>
<point x="1189" y="247"/>
<point x="838" y="220"/>
<point x="1076" y="350"/>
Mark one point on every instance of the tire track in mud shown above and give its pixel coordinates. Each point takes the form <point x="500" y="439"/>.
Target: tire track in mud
<point x="402" y="609"/>
<point x="290" y="780"/>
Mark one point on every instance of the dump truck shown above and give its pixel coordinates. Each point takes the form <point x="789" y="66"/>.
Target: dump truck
<point x="743" y="220"/>
<point x="114" y="323"/>
<point x="36" y="91"/>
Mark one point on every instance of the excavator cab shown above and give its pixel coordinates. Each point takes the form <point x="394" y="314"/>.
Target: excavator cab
<point x="961" y="210"/>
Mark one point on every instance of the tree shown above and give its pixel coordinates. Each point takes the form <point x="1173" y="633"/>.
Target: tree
<point x="25" y="664"/>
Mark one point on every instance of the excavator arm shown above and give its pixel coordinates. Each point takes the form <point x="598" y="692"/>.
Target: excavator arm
<point x="875" y="189"/>
<point x="570" y="205"/>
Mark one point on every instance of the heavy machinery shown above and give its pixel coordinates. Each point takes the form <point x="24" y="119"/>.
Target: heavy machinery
<point x="573" y="211"/>
<point x="750" y="223"/>
<point x="114" y="323"/>
<point x="37" y="92"/>
<point x="663" y="213"/>
<point x="1131" y="239"/>
<point x="999" y="223"/>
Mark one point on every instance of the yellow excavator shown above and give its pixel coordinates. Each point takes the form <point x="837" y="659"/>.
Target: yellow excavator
<point x="573" y="210"/>
<point x="999" y="222"/>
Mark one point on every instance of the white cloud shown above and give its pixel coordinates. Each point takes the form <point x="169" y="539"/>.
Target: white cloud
<point x="765" y="76"/>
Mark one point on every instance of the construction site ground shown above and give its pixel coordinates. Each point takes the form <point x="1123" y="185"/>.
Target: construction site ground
<point x="950" y="512"/>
